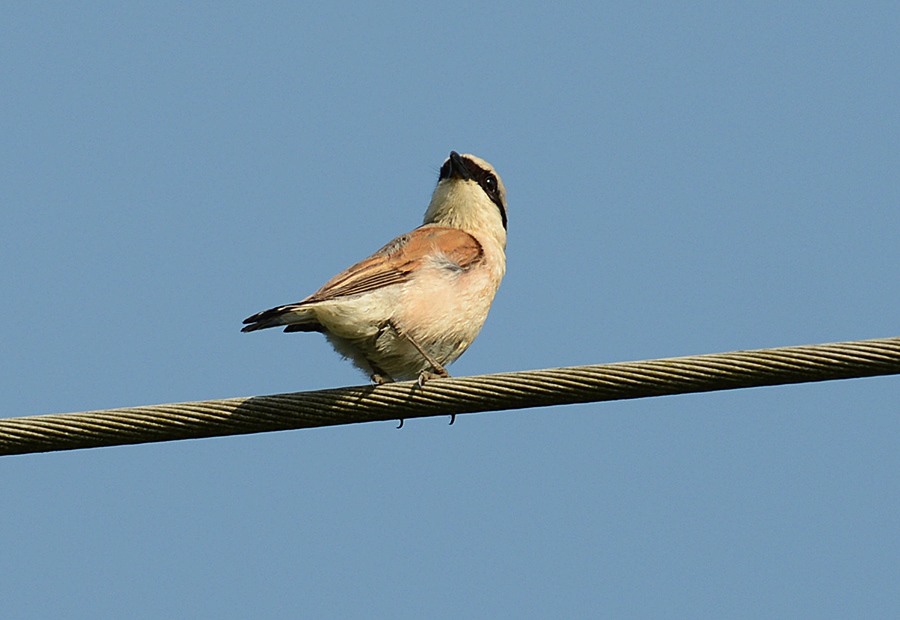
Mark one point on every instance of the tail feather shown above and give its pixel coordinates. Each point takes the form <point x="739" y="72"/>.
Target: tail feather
<point x="296" y="318"/>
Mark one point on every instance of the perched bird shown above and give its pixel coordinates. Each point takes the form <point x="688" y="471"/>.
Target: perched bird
<point x="416" y="304"/>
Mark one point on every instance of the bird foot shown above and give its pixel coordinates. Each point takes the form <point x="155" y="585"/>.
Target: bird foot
<point x="379" y="377"/>
<point x="439" y="372"/>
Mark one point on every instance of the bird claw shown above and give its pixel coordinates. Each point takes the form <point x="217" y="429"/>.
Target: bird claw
<point x="438" y="373"/>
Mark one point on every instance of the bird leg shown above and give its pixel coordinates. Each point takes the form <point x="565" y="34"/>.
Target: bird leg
<point x="379" y="377"/>
<point x="437" y="370"/>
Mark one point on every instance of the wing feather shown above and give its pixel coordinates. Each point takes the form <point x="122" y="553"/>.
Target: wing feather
<point x="395" y="263"/>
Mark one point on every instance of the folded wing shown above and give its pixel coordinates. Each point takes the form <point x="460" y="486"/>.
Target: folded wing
<point x="395" y="263"/>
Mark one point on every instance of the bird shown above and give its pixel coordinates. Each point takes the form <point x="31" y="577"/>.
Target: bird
<point x="415" y="305"/>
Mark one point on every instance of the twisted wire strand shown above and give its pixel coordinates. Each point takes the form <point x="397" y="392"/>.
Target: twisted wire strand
<point x="515" y="390"/>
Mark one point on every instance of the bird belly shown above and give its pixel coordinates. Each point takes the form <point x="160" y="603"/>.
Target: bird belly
<point x="443" y="310"/>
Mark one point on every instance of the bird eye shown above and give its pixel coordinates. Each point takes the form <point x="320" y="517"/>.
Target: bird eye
<point x="491" y="183"/>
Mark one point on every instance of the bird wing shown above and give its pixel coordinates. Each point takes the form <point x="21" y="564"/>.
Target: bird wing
<point x="399" y="259"/>
<point x="395" y="263"/>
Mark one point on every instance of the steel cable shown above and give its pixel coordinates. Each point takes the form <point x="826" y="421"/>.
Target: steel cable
<point x="503" y="391"/>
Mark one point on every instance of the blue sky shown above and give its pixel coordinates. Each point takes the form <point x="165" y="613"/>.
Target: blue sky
<point x="682" y="179"/>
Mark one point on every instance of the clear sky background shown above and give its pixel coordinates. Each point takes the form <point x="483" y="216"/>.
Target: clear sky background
<point x="683" y="179"/>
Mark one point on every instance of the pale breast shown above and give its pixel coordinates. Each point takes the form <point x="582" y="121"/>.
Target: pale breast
<point x="445" y="306"/>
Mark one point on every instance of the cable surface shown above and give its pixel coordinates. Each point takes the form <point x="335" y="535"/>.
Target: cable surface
<point x="503" y="391"/>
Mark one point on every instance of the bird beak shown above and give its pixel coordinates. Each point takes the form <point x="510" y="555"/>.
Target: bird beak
<point x="458" y="168"/>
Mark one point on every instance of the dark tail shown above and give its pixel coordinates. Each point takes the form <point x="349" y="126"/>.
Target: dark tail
<point x="295" y="318"/>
